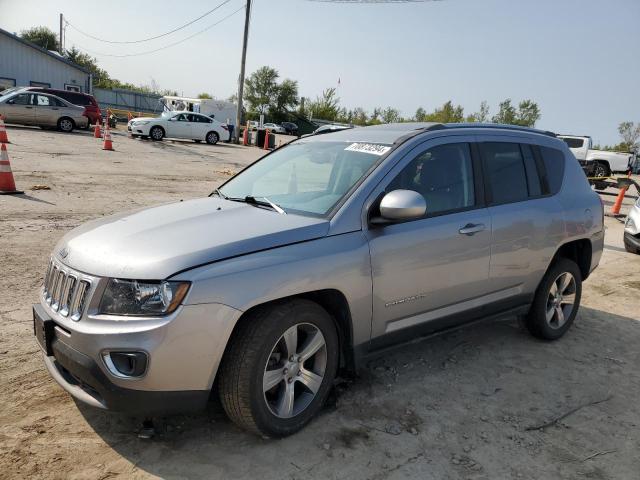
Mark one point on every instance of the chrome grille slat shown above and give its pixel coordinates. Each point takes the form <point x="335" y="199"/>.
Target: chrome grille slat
<point x="65" y="291"/>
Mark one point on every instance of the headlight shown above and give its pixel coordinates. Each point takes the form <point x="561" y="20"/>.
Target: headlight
<point x="131" y="297"/>
<point x="143" y="122"/>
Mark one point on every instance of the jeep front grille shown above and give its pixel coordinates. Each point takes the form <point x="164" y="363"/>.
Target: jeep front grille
<point x="65" y="291"/>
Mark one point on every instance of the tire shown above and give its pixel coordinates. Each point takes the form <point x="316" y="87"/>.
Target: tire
<point x="156" y="133"/>
<point x="544" y="320"/>
<point x="66" y="125"/>
<point x="631" y="248"/>
<point x="601" y="170"/>
<point x="212" y="138"/>
<point x="257" y="353"/>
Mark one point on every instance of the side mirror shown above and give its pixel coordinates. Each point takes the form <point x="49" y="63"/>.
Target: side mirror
<point x="401" y="205"/>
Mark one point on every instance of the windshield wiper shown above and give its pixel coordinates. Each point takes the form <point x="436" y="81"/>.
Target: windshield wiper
<point x="265" y="202"/>
<point x="250" y="199"/>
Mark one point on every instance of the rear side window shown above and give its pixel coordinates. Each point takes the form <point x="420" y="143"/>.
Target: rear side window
<point x="504" y="172"/>
<point x="574" y="142"/>
<point x="554" y="165"/>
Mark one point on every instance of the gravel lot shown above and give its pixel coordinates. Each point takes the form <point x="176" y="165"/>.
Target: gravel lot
<point x="467" y="404"/>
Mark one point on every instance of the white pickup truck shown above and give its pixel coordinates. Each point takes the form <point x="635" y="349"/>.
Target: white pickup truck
<point x="597" y="163"/>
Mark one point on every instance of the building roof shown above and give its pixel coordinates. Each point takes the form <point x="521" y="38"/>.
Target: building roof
<point x="43" y="50"/>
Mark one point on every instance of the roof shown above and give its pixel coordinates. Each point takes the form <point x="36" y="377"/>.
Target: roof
<point x="43" y="50"/>
<point x="391" y="133"/>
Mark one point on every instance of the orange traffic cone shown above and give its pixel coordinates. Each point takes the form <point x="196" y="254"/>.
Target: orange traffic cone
<point x="615" y="210"/>
<point x="7" y="184"/>
<point x="96" y="131"/>
<point x="245" y="136"/>
<point x="107" y="141"/>
<point x="266" y="140"/>
<point x="3" y="132"/>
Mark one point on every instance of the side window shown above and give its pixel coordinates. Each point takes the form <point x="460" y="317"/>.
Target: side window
<point x="181" y="118"/>
<point x="554" y="165"/>
<point x="443" y="175"/>
<point x="504" y="172"/>
<point x="22" y="99"/>
<point x="43" y="101"/>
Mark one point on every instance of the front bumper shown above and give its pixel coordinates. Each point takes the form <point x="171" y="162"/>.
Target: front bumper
<point x="184" y="351"/>
<point x="632" y="240"/>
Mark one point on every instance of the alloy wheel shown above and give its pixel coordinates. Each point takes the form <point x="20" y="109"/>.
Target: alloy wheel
<point x="66" y="125"/>
<point x="561" y="300"/>
<point x="295" y="370"/>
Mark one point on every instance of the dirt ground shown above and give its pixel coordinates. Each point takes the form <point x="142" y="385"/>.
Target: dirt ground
<point x="469" y="404"/>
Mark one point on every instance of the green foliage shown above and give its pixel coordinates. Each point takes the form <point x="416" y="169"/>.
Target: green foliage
<point x="325" y="107"/>
<point x="448" y="113"/>
<point x="481" y="116"/>
<point x="41" y="36"/>
<point x="264" y="94"/>
<point x="526" y="115"/>
<point x="204" y="96"/>
<point x="630" y="134"/>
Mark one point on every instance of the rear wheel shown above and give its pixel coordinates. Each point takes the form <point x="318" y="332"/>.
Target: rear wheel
<point x="156" y="133"/>
<point x="212" y="138"/>
<point x="279" y="367"/>
<point x="65" y="124"/>
<point x="556" y="302"/>
<point x="601" y="170"/>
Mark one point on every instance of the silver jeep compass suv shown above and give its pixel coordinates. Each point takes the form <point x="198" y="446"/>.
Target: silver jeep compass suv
<point x="315" y="256"/>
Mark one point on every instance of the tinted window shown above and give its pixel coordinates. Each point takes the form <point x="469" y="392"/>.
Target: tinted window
<point x="443" y="175"/>
<point x="533" y="179"/>
<point x="554" y="165"/>
<point x="199" y="118"/>
<point x="22" y="99"/>
<point x="505" y="172"/>
<point x="181" y="118"/>
<point x="574" y="142"/>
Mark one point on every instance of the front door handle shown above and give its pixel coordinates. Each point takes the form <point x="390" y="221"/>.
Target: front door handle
<point x="471" y="228"/>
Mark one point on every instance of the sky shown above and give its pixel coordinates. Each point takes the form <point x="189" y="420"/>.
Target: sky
<point x="578" y="59"/>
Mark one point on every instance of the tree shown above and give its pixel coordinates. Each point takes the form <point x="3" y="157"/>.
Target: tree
<point x="204" y="96"/>
<point x="325" y="107"/>
<point x="421" y="115"/>
<point x="42" y="36"/>
<point x="391" y="115"/>
<point x="286" y="96"/>
<point x="261" y="89"/>
<point x="630" y="134"/>
<point x="100" y="76"/>
<point x="448" y="113"/>
<point x="482" y="115"/>
<point x="526" y="115"/>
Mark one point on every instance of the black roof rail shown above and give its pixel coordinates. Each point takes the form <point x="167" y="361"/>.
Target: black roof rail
<point x="500" y="126"/>
<point x="426" y="128"/>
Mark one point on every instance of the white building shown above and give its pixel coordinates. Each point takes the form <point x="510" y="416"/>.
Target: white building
<point x="23" y="64"/>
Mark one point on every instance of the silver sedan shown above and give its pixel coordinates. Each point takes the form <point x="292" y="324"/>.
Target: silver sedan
<point x="41" y="109"/>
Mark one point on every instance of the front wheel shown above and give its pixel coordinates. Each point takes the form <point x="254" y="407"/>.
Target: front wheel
<point x="556" y="302"/>
<point x="279" y="367"/>
<point x="212" y="138"/>
<point x="65" y="125"/>
<point x="156" y="133"/>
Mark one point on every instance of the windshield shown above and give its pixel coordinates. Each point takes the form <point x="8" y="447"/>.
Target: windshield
<point x="306" y="178"/>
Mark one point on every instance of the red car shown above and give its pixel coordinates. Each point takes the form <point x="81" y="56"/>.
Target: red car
<point x="92" y="110"/>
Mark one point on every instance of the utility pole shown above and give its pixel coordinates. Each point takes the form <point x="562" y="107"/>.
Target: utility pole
<point x="241" y="77"/>
<point x="60" y="41"/>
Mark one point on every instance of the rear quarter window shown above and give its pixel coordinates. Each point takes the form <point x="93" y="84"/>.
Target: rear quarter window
<point x="554" y="165"/>
<point x="574" y="142"/>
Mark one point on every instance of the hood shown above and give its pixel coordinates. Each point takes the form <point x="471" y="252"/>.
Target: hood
<point x="146" y="119"/>
<point x="155" y="243"/>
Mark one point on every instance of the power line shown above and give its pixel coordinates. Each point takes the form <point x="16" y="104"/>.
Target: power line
<point x="166" y="46"/>
<point x="150" y="38"/>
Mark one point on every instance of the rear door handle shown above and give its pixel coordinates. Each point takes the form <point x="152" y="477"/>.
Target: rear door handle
<point x="471" y="228"/>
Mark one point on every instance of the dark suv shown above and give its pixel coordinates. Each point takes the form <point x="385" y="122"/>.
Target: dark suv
<point x="92" y="110"/>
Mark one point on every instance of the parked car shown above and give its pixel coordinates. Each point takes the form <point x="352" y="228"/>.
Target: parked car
<point x="597" y="163"/>
<point x="290" y="127"/>
<point x="632" y="229"/>
<point x="313" y="258"/>
<point x="253" y="125"/>
<point x="89" y="102"/>
<point x="41" y="109"/>
<point x="190" y="126"/>
<point x="330" y="129"/>
<point x="275" y="128"/>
